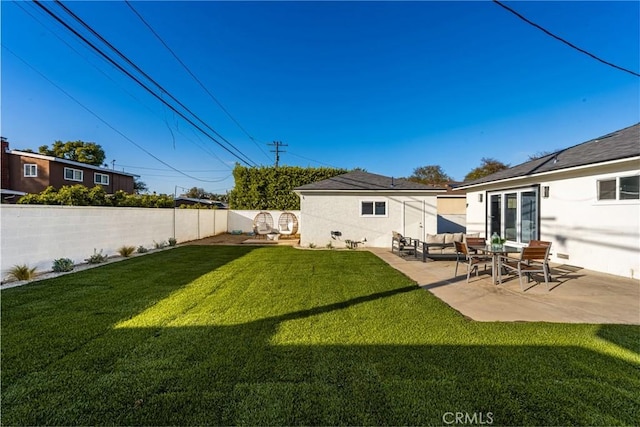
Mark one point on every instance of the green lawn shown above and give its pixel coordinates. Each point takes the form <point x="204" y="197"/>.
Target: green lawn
<point x="279" y="336"/>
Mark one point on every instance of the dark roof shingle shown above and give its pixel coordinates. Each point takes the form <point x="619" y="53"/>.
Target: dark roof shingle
<point x="616" y="145"/>
<point x="365" y="181"/>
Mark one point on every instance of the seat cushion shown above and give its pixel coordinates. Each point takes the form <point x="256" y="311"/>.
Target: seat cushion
<point x="434" y="238"/>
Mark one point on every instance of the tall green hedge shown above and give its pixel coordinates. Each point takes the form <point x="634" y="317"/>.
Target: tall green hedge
<point x="79" y="195"/>
<point x="272" y="188"/>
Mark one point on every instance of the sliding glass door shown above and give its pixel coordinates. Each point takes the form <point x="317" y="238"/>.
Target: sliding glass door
<point x="513" y="214"/>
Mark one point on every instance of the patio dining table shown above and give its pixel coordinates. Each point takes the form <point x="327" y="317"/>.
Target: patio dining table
<point x="496" y="252"/>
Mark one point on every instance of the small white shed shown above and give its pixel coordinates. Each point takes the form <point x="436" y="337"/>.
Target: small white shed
<point x="361" y="205"/>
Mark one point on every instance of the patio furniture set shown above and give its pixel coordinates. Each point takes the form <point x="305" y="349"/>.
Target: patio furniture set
<point x="287" y="225"/>
<point x="435" y="246"/>
<point x="473" y="251"/>
<point x="524" y="261"/>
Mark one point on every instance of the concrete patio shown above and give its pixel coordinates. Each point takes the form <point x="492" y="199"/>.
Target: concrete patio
<point x="576" y="295"/>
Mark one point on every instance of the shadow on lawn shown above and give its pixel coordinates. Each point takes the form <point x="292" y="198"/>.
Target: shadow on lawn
<point x="234" y="374"/>
<point x="617" y="335"/>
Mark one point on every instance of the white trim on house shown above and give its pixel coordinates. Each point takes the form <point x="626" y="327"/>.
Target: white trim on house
<point x="70" y="162"/>
<point x="376" y="204"/>
<point x="104" y="178"/>
<point x="599" y="235"/>
<point x="30" y="170"/>
<point x="505" y="181"/>
<point x="76" y="175"/>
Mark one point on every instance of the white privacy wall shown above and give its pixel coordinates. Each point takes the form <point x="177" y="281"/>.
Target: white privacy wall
<point x="36" y="235"/>
<point x="597" y="235"/>
<point x="243" y="219"/>
<point x="324" y="213"/>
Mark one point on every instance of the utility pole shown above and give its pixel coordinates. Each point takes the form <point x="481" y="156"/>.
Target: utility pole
<point x="277" y="145"/>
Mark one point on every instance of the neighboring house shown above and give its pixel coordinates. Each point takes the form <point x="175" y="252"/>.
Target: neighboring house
<point x="189" y="201"/>
<point x="452" y="211"/>
<point x="24" y="172"/>
<point x="362" y="205"/>
<point x="585" y="199"/>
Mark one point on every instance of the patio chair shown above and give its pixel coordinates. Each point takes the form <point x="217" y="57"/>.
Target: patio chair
<point x="543" y="243"/>
<point x="263" y="224"/>
<point x="403" y="245"/>
<point x="532" y="260"/>
<point x="475" y="241"/>
<point x="287" y="224"/>
<point x="472" y="261"/>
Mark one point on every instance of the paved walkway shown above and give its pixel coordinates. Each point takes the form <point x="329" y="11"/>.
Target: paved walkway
<point x="576" y="295"/>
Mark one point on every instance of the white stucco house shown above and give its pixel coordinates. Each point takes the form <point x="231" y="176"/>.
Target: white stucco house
<point x="585" y="199"/>
<point x="361" y="205"/>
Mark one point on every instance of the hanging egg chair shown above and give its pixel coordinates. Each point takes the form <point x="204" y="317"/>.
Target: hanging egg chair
<point x="288" y="224"/>
<point x="263" y="223"/>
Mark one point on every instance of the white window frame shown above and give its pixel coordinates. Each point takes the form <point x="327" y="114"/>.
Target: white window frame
<point x="618" y="189"/>
<point x="518" y="209"/>
<point x="101" y="178"/>
<point x="373" y="202"/>
<point x="74" y="172"/>
<point x="30" y="170"/>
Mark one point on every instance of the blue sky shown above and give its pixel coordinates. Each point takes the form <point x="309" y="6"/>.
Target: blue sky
<point x="384" y="86"/>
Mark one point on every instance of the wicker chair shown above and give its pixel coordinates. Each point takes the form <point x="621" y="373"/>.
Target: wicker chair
<point x="288" y="224"/>
<point x="263" y="224"/>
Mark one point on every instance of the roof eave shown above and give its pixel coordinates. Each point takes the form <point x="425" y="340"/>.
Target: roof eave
<point x="555" y="171"/>
<point x="70" y="162"/>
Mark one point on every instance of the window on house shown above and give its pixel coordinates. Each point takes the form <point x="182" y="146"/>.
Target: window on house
<point x="607" y="189"/>
<point x="621" y="188"/>
<point x="373" y="208"/>
<point x="30" y="170"/>
<point x="73" y="174"/>
<point x="513" y="214"/>
<point x="630" y="188"/>
<point x="101" y="178"/>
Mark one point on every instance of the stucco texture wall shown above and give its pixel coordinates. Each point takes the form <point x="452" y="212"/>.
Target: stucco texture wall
<point x="324" y="213"/>
<point x="597" y="235"/>
<point x="36" y="235"/>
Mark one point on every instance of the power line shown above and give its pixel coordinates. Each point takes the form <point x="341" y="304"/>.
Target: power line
<point x="104" y="121"/>
<point x="121" y="55"/>
<point x="565" y="41"/>
<point x="194" y="77"/>
<point x="119" y="67"/>
<point x="159" y="169"/>
<point x="312" y="160"/>
<point x="201" y="147"/>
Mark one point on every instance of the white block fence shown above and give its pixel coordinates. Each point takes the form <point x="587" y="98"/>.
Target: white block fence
<point x="36" y="235"/>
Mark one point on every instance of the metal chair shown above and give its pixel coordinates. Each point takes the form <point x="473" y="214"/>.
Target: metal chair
<point x="543" y="243"/>
<point x="472" y="261"/>
<point x="532" y="260"/>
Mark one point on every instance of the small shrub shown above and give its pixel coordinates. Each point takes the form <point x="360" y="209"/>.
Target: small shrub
<point x="96" y="258"/>
<point x="22" y="272"/>
<point x="61" y="265"/>
<point x="141" y="249"/>
<point x="172" y="241"/>
<point x="126" y="251"/>
<point x="159" y="245"/>
<point x="329" y="245"/>
<point x="312" y="245"/>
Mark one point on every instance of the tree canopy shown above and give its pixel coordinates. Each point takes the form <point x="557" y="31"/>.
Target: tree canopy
<point x="430" y="175"/>
<point x="79" y="151"/>
<point x="487" y="167"/>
